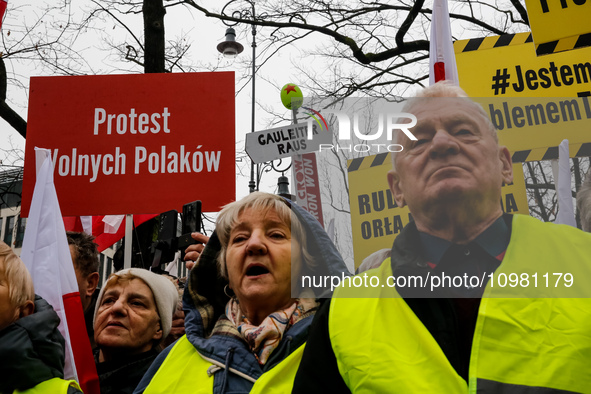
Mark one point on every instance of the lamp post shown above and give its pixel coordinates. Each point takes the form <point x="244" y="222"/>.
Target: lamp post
<point x="282" y="181"/>
<point x="231" y="48"/>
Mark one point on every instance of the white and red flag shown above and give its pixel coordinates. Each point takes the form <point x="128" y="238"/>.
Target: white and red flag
<point x="106" y="229"/>
<point x="3" y="4"/>
<point x="47" y="256"/>
<point x="442" y="60"/>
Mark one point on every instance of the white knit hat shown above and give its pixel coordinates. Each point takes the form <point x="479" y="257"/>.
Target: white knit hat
<point x="164" y="291"/>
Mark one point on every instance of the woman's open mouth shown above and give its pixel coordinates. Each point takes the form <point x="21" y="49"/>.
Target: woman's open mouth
<point x="256" y="270"/>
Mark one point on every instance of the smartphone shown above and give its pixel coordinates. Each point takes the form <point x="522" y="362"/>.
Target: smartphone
<point x="167" y="225"/>
<point x="191" y="223"/>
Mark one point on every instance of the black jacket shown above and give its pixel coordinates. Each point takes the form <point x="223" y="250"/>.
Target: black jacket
<point x="32" y="350"/>
<point x="318" y="372"/>
<point x="122" y="375"/>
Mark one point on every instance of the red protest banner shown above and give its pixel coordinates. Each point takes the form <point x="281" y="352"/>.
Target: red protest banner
<point x="134" y="144"/>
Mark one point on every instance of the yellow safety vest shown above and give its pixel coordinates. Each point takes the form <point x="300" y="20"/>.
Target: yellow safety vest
<point x="185" y="370"/>
<point x="519" y="343"/>
<point x="51" y="386"/>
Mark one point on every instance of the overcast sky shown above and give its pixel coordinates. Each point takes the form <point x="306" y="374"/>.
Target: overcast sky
<point x="203" y="33"/>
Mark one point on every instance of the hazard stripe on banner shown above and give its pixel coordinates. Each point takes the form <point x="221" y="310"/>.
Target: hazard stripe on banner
<point x="362" y="163"/>
<point x="564" y="44"/>
<point x="581" y="150"/>
<point x="481" y="43"/>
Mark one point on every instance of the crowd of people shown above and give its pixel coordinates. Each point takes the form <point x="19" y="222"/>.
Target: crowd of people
<point x="246" y="323"/>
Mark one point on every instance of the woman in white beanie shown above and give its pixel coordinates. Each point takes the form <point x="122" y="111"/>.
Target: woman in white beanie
<point x="133" y="315"/>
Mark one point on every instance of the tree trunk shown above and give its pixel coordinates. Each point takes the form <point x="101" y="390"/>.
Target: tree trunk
<point x="7" y="113"/>
<point x="154" y="12"/>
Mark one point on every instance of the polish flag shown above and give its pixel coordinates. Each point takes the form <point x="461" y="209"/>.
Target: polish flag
<point x="442" y="60"/>
<point x="3" y="4"/>
<point x="106" y="229"/>
<point x="46" y="254"/>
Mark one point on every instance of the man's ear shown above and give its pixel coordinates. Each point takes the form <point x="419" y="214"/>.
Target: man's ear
<point x="507" y="164"/>
<point x="158" y="334"/>
<point x="397" y="193"/>
<point x="27" y="309"/>
<point x="92" y="281"/>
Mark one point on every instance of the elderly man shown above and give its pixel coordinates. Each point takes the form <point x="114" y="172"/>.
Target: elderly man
<point x="460" y="337"/>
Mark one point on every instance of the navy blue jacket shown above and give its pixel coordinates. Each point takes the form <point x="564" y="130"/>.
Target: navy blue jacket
<point x="204" y="303"/>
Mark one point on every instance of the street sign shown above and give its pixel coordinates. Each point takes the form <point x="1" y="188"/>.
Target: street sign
<point x="286" y="141"/>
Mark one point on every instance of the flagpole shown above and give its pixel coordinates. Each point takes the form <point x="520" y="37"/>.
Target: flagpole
<point x="442" y="60"/>
<point x="562" y="182"/>
<point x="128" y="239"/>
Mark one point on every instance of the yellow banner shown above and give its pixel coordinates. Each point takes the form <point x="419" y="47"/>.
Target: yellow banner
<point x="541" y="122"/>
<point x="507" y="66"/>
<point x="559" y="25"/>
<point x="376" y="220"/>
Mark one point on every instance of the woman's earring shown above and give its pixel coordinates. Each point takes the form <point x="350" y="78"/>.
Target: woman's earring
<point x="226" y="288"/>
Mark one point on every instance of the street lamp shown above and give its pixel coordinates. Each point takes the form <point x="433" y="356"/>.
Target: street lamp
<point x="230" y="48"/>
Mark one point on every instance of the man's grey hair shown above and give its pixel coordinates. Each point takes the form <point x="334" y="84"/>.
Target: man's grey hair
<point x="584" y="203"/>
<point x="439" y="90"/>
